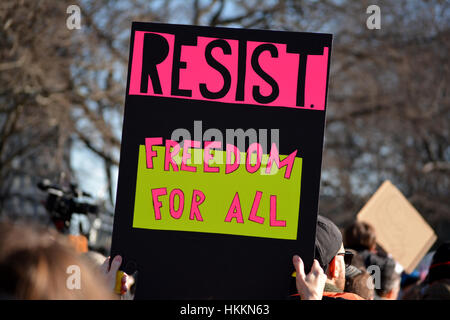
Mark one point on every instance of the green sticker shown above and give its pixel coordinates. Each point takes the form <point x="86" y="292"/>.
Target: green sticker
<point x="203" y="201"/>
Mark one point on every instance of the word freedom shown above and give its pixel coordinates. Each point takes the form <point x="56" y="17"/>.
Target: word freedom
<point x="233" y="156"/>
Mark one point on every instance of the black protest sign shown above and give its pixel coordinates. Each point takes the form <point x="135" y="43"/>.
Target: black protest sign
<point x="220" y="162"/>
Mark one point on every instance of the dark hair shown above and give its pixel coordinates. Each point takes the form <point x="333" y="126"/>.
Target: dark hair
<point x="440" y="265"/>
<point x="389" y="278"/>
<point x="359" y="236"/>
<point x="438" y="290"/>
<point x="34" y="264"/>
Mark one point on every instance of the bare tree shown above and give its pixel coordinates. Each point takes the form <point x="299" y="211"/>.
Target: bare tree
<point x="388" y="104"/>
<point x="35" y="125"/>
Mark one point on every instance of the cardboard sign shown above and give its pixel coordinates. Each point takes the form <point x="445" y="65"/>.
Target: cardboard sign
<point x="220" y="160"/>
<point x="400" y="229"/>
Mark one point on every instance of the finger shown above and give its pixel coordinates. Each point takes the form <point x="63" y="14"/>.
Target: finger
<point x="316" y="268"/>
<point x="117" y="261"/>
<point x="124" y="283"/>
<point x="105" y="266"/>
<point x="299" y="266"/>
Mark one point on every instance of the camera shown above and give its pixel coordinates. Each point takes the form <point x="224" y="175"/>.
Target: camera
<point x="61" y="203"/>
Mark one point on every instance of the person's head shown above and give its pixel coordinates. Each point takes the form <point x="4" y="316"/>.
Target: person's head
<point x="388" y="284"/>
<point x="440" y="264"/>
<point x="330" y="251"/>
<point x="438" y="290"/>
<point x="96" y="259"/>
<point x="411" y="292"/>
<point x="37" y="263"/>
<point x="357" y="279"/>
<point x="390" y="281"/>
<point x="359" y="283"/>
<point x="360" y="236"/>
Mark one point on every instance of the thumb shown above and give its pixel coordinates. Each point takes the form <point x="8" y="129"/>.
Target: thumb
<point x="316" y="268"/>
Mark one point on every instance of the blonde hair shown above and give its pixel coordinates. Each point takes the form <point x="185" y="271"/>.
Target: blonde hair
<point x="34" y="264"/>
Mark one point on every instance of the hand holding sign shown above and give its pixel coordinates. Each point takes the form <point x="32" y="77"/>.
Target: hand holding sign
<point x="310" y="286"/>
<point x="115" y="279"/>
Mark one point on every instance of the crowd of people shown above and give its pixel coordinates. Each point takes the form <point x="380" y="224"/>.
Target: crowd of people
<point x="364" y="271"/>
<point x="35" y="263"/>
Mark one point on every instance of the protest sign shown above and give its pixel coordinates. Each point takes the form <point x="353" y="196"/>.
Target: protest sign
<point x="400" y="229"/>
<point x="220" y="160"/>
